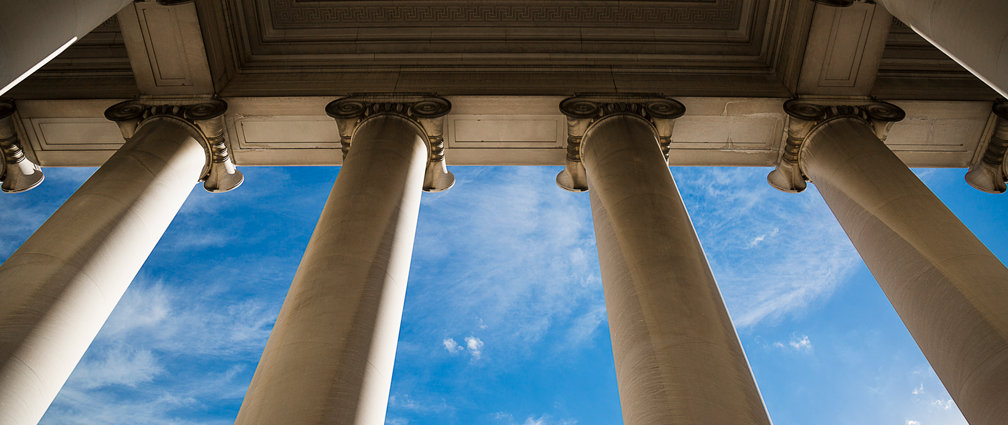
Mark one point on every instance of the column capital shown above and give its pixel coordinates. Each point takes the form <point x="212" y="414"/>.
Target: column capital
<point x="204" y="113"/>
<point x="425" y="110"/>
<point x="989" y="173"/>
<point x="583" y="110"/>
<point x="807" y="115"/>
<point x="17" y="172"/>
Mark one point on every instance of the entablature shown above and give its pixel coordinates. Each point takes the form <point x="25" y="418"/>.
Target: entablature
<point x="505" y="130"/>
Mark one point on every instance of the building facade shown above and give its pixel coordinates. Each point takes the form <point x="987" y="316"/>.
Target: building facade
<point x="162" y="95"/>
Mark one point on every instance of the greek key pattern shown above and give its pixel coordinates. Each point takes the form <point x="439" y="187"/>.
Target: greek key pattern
<point x="289" y="14"/>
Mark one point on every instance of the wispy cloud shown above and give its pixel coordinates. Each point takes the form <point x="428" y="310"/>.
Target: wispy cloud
<point x="933" y="403"/>
<point x="772" y="253"/>
<point x="155" y="333"/>
<point x="405" y="401"/>
<point x="801" y="344"/>
<point x="120" y="365"/>
<point x="182" y="344"/>
<point x="538" y="277"/>
<point x="24" y="212"/>
<point x="544" y="419"/>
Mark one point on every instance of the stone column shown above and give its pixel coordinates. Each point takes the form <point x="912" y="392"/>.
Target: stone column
<point x="948" y="288"/>
<point x="32" y="32"/>
<point x="678" y="357"/>
<point x="58" y="288"/>
<point x="973" y="33"/>
<point x="329" y="358"/>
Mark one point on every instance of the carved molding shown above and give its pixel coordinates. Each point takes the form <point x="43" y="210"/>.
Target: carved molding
<point x="425" y="110"/>
<point x="204" y="113"/>
<point x="804" y="116"/>
<point x="586" y="109"/>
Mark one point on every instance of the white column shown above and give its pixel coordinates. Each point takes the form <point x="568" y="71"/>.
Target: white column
<point x="678" y="358"/>
<point x="58" y="288"/>
<point x="33" y="32"/>
<point x="329" y="358"/>
<point x="948" y="288"/>
<point x="972" y="32"/>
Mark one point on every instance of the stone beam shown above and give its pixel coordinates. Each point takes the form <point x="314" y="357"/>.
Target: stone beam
<point x="502" y="130"/>
<point x="843" y="51"/>
<point x="166" y="50"/>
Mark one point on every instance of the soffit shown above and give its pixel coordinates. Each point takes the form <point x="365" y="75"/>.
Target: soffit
<point x="708" y="47"/>
<point x="95" y="66"/>
<point x="912" y="68"/>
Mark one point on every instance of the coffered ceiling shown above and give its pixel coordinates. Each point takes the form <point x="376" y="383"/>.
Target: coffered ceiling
<point x="505" y="65"/>
<point x="750" y="48"/>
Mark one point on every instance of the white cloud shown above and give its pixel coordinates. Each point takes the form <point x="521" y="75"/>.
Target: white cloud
<point x="404" y="401"/>
<point x="943" y="404"/>
<point x="765" y="269"/>
<point x="931" y="403"/>
<point x="583" y="327"/>
<point x="912" y="422"/>
<point x="760" y="238"/>
<point x="544" y="419"/>
<point x="475" y="346"/>
<point x="533" y="421"/>
<point x="203" y="347"/>
<point x="119" y="366"/>
<point x="537" y="276"/>
<point x="452" y="346"/>
<point x="801" y="344"/>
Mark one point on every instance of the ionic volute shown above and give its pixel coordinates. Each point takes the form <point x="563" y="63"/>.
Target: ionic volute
<point x="989" y="173"/>
<point x="426" y="110"/>
<point x="17" y="172"/>
<point x="585" y="109"/>
<point x="804" y="115"/>
<point x="204" y="113"/>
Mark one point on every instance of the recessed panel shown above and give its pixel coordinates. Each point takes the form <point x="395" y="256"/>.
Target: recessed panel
<point x="506" y="131"/>
<point x="727" y="132"/>
<point x="76" y="134"/>
<point x="948" y="135"/>
<point x="287" y="132"/>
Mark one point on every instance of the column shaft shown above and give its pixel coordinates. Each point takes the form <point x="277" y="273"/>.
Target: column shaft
<point x="58" y="288"/>
<point x="33" y="30"/>
<point x="678" y="358"/>
<point x="972" y="33"/>
<point x="329" y="358"/>
<point x="948" y="288"/>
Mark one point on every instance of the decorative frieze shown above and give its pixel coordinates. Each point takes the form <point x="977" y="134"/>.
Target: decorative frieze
<point x="426" y="110"/>
<point x="17" y="172"/>
<point x="585" y="109"/>
<point x="988" y="174"/>
<point x="205" y="113"/>
<point x="804" y="115"/>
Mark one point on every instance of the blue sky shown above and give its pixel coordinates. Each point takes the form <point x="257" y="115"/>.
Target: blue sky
<point x="504" y="322"/>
